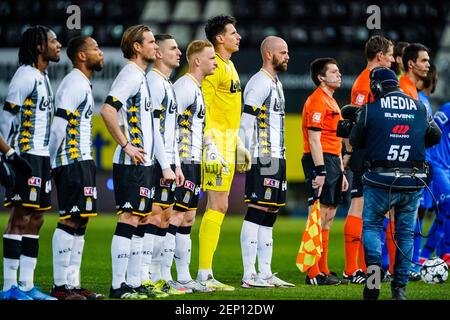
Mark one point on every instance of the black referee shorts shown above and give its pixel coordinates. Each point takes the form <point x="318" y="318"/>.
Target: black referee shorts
<point x="331" y="191"/>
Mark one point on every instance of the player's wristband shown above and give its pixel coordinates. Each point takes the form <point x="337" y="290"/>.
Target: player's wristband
<point x="348" y="153"/>
<point x="124" y="146"/>
<point x="10" y="153"/>
<point x="320" y="170"/>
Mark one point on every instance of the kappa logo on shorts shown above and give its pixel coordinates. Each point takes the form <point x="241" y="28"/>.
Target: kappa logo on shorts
<point x="271" y="183"/>
<point x="189" y="185"/>
<point x="34" y="181"/>
<point x="144" y="192"/>
<point x="88" y="191"/>
<point x="74" y="209"/>
<point x="164" y="184"/>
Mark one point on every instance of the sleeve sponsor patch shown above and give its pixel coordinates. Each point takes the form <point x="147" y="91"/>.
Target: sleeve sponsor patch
<point x="316" y="117"/>
<point x="359" y="99"/>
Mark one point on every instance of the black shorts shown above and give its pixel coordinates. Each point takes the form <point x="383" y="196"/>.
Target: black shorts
<point x="32" y="192"/>
<point x="265" y="182"/>
<point x="331" y="191"/>
<point x="76" y="189"/>
<point x="164" y="192"/>
<point x="133" y="188"/>
<point x="186" y="197"/>
<point x="357" y="167"/>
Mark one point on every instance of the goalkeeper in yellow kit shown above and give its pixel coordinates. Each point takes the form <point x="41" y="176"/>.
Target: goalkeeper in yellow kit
<point x="222" y="94"/>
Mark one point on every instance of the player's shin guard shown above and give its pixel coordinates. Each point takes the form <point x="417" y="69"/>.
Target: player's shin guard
<point x="249" y="239"/>
<point x="134" y="263"/>
<point x="209" y="237"/>
<point x="182" y="254"/>
<point x="11" y="256"/>
<point x="28" y="261"/>
<point x="168" y="252"/>
<point x="62" y="247"/>
<point x="352" y="241"/>
<point x="265" y="244"/>
<point x="120" y="252"/>
<point x="73" y="274"/>
<point x="147" y="251"/>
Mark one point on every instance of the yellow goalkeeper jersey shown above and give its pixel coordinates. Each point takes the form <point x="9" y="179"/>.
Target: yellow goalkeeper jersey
<point x="222" y="94"/>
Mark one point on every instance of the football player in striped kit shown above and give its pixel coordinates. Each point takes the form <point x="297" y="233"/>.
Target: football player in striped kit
<point x="168" y="172"/>
<point x="128" y="116"/>
<point x="262" y="129"/>
<point x="191" y="122"/>
<point x="30" y="103"/>
<point x="73" y="167"/>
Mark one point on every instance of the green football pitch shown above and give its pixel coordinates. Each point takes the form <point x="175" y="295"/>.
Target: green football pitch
<point x="96" y="265"/>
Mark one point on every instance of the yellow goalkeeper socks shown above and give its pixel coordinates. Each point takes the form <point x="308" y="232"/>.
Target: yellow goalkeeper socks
<point x="209" y="237"/>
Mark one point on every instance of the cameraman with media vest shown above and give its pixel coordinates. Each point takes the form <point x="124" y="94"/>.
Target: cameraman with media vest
<point x="395" y="130"/>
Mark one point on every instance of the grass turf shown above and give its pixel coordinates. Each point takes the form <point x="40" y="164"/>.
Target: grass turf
<point x="96" y="265"/>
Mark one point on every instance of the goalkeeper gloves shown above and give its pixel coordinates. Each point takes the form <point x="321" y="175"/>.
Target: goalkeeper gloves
<point x="244" y="158"/>
<point x="214" y="161"/>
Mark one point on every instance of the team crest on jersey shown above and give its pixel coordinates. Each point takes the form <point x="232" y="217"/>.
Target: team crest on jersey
<point x="164" y="184"/>
<point x="271" y="183"/>
<point x="88" y="191"/>
<point x="34" y="181"/>
<point x="189" y="185"/>
<point x="316" y="117"/>
<point x="144" y="192"/>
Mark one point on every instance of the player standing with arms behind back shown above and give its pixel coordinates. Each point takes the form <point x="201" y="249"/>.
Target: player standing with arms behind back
<point x="73" y="167"/>
<point x="265" y="185"/>
<point x="30" y="98"/>
<point x="191" y="122"/>
<point x="222" y="93"/>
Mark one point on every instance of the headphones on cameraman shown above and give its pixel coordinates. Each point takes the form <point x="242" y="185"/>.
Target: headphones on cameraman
<point x="375" y="84"/>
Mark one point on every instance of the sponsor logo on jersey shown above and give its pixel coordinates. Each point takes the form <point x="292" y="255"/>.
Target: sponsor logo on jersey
<point x="34" y="181"/>
<point x="271" y="183"/>
<point x="189" y="185"/>
<point x="399" y="131"/>
<point x="316" y="117"/>
<point x="235" y="86"/>
<point x="403" y="116"/>
<point x="398" y="102"/>
<point x="88" y="191"/>
<point x="144" y="192"/>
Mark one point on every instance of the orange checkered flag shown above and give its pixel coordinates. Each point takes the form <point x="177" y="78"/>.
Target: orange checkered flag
<point x="310" y="249"/>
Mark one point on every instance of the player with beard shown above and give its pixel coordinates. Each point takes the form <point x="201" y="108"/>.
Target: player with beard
<point x="73" y="167"/>
<point x="29" y="103"/>
<point x="265" y="186"/>
<point x="128" y="116"/>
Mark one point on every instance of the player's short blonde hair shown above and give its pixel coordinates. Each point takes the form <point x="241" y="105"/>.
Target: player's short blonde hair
<point x="197" y="46"/>
<point x="130" y="36"/>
